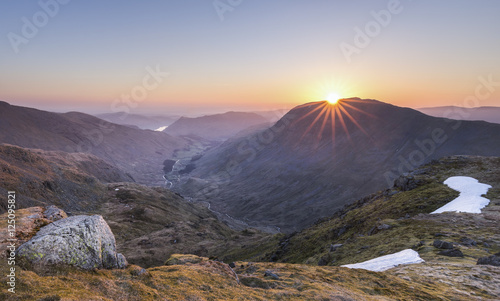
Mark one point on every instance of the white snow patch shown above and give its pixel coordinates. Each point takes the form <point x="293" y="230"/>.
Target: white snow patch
<point x="116" y="189"/>
<point x="470" y="199"/>
<point x="386" y="262"/>
<point x="161" y="128"/>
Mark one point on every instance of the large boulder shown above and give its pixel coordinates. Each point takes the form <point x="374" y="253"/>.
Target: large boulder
<point x="81" y="241"/>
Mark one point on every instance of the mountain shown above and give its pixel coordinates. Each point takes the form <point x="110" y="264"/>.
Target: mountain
<point x="138" y="152"/>
<point x="489" y="114"/>
<point x="218" y="127"/>
<point x="319" y="157"/>
<point x="141" y="121"/>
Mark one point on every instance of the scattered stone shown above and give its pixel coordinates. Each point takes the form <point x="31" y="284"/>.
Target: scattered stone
<point x="452" y="253"/>
<point x="138" y="271"/>
<point x="384" y="227"/>
<point x="468" y="242"/>
<point x="490" y="260"/>
<point x="334" y="247"/>
<point x="271" y="274"/>
<point x="442" y="244"/>
<point x="419" y="244"/>
<point x="82" y="241"/>
<point x="232" y="265"/>
<point x="406" y="182"/>
<point x="52" y="213"/>
<point x="251" y="269"/>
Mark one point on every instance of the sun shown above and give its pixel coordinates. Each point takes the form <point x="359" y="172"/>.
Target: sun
<point x="333" y="98"/>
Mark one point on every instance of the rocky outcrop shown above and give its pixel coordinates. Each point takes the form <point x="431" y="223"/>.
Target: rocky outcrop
<point x="442" y="244"/>
<point x="490" y="260"/>
<point x="451" y="253"/>
<point x="81" y="241"/>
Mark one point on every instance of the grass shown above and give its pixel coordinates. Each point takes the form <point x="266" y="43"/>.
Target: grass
<point x="212" y="280"/>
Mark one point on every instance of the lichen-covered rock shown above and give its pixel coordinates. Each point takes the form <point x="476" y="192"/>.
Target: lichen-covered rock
<point x="81" y="241"/>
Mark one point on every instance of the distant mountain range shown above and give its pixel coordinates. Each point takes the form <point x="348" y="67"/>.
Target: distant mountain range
<point x="217" y="127"/>
<point x="140" y="153"/>
<point x="489" y="114"/>
<point x="299" y="170"/>
<point x="141" y="121"/>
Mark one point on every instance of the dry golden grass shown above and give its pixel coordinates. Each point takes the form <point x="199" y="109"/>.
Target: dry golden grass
<point x="212" y="280"/>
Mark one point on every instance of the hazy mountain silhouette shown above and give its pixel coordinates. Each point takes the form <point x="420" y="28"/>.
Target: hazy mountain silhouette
<point x="137" y="152"/>
<point x="489" y="114"/>
<point x="141" y="121"/>
<point x="300" y="169"/>
<point x="217" y="127"/>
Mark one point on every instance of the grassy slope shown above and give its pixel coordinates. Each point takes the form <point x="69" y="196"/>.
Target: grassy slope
<point x="152" y="223"/>
<point x="212" y="280"/>
<point x="406" y="212"/>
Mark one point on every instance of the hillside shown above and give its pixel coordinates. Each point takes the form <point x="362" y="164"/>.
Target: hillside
<point x="72" y="181"/>
<point x="398" y="218"/>
<point x="320" y="157"/>
<point x="137" y="152"/>
<point x="381" y="223"/>
<point x="218" y="127"/>
<point x="150" y="224"/>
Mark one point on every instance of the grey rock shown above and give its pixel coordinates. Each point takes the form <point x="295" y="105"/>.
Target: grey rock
<point x="490" y="260"/>
<point x="406" y="182"/>
<point x="468" y="242"/>
<point x="383" y="227"/>
<point x="53" y="213"/>
<point x="334" y="247"/>
<point x="81" y="241"/>
<point x="271" y="274"/>
<point x="442" y="244"/>
<point x="452" y="253"/>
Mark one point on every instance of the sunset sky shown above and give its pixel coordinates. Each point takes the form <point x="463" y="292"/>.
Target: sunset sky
<point x="246" y="54"/>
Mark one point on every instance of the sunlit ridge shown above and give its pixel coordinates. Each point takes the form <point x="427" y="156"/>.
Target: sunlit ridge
<point x="333" y="109"/>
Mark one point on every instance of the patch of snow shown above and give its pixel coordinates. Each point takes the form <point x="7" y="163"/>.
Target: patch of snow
<point x="116" y="189"/>
<point x="386" y="262"/>
<point x="470" y="199"/>
<point x="160" y="129"/>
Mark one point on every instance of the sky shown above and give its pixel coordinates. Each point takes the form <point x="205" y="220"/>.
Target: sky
<point x="192" y="56"/>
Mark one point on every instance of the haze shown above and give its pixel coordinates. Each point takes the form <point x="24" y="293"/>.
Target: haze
<point x="247" y="55"/>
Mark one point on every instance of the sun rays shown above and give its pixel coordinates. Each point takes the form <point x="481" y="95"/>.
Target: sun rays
<point x="335" y="113"/>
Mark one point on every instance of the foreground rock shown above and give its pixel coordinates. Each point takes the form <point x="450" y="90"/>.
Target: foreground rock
<point x="81" y="241"/>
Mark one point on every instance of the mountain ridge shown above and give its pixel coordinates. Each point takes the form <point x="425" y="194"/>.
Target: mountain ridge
<point x="137" y="152"/>
<point x="263" y="177"/>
